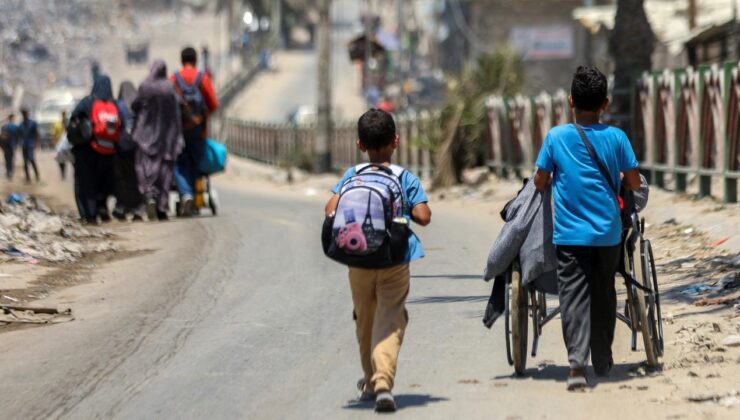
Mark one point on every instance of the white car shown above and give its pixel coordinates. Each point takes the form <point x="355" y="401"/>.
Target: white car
<point x="49" y="110"/>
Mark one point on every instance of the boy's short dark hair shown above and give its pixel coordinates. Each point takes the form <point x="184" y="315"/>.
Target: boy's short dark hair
<point x="589" y="88"/>
<point x="189" y="56"/>
<point x="376" y="129"/>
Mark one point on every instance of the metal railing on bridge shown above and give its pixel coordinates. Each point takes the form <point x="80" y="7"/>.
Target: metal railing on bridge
<point x="293" y="145"/>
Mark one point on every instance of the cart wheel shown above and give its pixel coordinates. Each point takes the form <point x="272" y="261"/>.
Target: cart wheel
<point x="658" y="314"/>
<point x="213" y="201"/>
<point x="519" y="320"/>
<point x="646" y="311"/>
<point x="507" y="317"/>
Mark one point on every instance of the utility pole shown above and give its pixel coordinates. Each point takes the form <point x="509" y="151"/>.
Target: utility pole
<point x="692" y="14"/>
<point x="323" y="136"/>
<point x="368" y="21"/>
<point x="277" y="23"/>
<point x="401" y="102"/>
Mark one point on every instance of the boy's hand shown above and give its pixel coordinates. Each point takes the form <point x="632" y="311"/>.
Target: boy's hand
<point x="331" y="205"/>
<point x="542" y="179"/>
<point x="421" y="214"/>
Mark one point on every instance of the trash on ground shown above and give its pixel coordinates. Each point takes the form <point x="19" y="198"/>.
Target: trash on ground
<point x="731" y="341"/>
<point x="729" y="399"/>
<point x="30" y="232"/>
<point x="724" y="300"/>
<point x="31" y="315"/>
<point x="695" y="289"/>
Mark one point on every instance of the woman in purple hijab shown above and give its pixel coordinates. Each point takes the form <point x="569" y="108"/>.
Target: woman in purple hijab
<point x="158" y="135"/>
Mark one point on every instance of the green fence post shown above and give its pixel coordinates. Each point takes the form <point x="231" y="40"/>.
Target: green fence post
<point x="657" y="174"/>
<point x="705" y="181"/>
<point x="730" y="183"/>
<point x="680" y="177"/>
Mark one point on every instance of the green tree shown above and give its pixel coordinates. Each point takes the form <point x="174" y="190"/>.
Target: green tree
<point x="459" y="138"/>
<point x="631" y="45"/>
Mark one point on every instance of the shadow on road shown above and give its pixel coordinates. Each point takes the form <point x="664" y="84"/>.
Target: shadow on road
<point x="548" y="372"/>
<point x="447" y="299"/>
<point x="448" y="276"/>
<point x="402" y="401"/>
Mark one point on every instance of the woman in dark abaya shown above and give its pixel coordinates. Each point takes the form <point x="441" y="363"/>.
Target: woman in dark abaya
<point x="158" y="136"/>
<point x="94" y="177"/>
<point x="128" y="198"/>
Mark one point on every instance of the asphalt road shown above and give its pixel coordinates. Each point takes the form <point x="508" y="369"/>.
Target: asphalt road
<point x="242" y="317"/>
<point x="294" y="80"/>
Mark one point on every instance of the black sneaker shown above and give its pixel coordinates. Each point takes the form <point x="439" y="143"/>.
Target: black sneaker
<point x="187" y="207"/>
<point x="151" y="210"/>
<point x="162" y="216"/>
<point x="119" y="215"/>
<point x="384" y="402"/>
<point x="577" y="380"/>
<point x="603" y="370"/>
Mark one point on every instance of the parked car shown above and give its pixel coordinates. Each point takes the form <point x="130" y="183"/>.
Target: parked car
<point x="49" y="110"/>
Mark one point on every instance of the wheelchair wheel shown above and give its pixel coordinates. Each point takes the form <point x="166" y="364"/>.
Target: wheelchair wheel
<point x="646" y="309"/>
<point x="507" y="318"/>
<point x="658" y="314"/>
<point x="519" y="300"/>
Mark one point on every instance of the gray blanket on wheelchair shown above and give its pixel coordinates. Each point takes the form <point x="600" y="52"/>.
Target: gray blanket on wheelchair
<point x="527" y="234"/>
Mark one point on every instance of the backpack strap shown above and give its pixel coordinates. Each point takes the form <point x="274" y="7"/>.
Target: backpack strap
<point x="389" y="170"/>
<point x="595" y="158"/>
<point x="198" y="80"/>
<point x="398" y="170"/>
<point x="180" y="81"/>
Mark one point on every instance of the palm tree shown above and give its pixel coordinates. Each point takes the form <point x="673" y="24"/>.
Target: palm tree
<point x="631" y="45"/>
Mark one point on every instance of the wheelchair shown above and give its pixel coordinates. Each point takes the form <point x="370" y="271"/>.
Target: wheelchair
<point x="525" y="304"/>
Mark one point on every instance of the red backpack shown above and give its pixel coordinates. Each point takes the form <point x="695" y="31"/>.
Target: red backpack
<point x="106" y="127"/>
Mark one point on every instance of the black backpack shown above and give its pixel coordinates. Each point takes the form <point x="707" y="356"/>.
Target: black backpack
<point x="79" y="130"/>
<point x="192" y="103"/>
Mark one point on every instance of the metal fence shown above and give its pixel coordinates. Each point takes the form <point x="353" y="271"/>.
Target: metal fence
<point x="686" y="125"/>
<point x="293" y="145"/>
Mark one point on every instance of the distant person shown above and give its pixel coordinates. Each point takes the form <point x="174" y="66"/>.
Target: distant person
<point x="9" y="138"/>
<point x="128" y="199"/>
<point x="379" y="280"/>
<point x="198" y="100"/>
<point x="29" y="133"/>
<point x="588" y="224"/>
<point x="94" y="175"/>
<point x="158" y="136"/>
<point x="57" y="132"/>
<point x="386" y="104"/>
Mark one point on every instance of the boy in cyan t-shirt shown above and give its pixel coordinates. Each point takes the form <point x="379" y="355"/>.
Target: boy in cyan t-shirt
<point x="587" y="222"/>
<point x="379" y="295"/>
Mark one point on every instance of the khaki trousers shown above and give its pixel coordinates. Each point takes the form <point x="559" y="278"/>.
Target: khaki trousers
<point x="379" y="298"/>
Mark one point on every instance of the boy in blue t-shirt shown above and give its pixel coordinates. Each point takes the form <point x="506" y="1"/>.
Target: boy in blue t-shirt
<point x="587" y="222"/>
<point x="379" y="295"/>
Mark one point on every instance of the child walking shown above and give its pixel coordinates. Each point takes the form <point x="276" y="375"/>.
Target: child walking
<point x="378" y="252"/>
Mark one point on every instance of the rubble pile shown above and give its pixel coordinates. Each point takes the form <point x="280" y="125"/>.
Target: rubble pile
<point x="45" y="43"/>
<point x="31" y="232"/>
